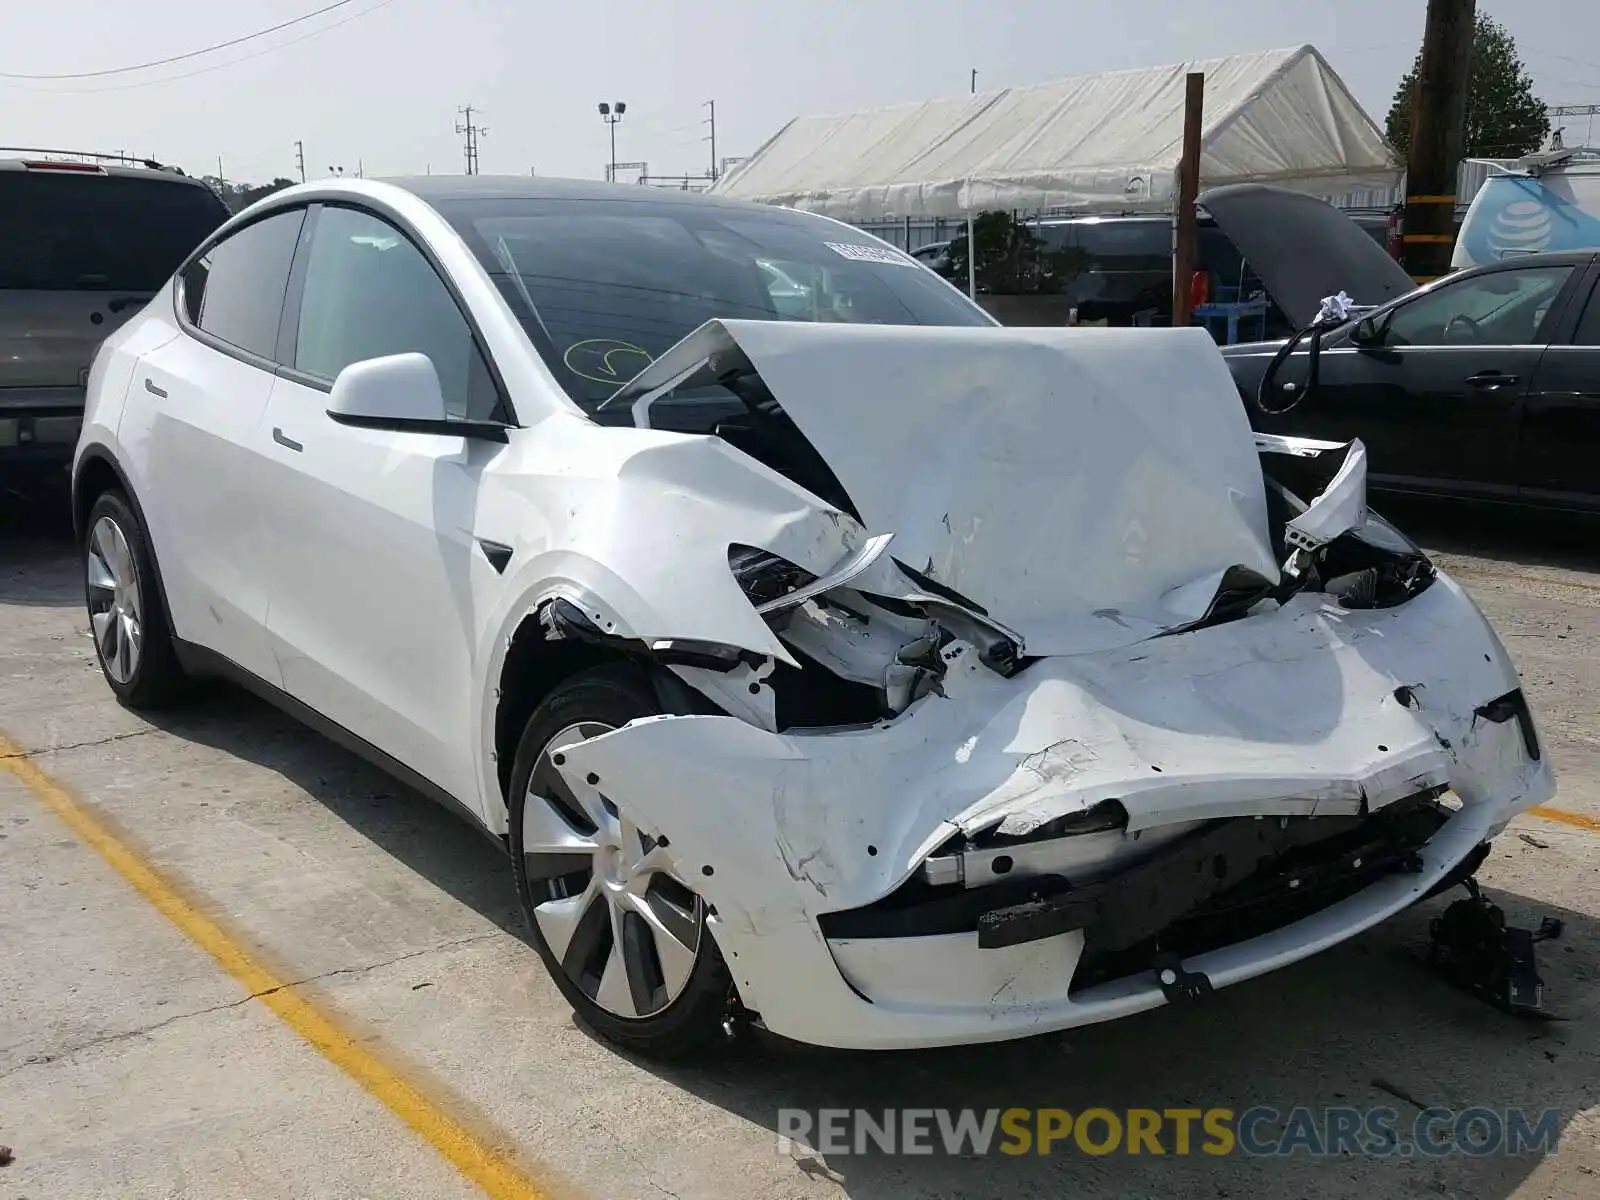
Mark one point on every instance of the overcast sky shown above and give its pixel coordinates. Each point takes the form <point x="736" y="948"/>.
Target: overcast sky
<point x="383" y="89"/>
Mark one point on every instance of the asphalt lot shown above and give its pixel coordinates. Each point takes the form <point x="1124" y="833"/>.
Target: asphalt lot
<point x="132" y="1065"/>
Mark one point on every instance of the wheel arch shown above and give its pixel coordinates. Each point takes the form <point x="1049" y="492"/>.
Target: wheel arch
<point x="95" y="473"/>
<point x="535" y="664"/>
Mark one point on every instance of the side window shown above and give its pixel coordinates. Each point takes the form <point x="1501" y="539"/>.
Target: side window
<point x="369" y="292"/>
<point x="1588" y="333"/>
<point x="235" y="290"/>
<point x="1503" y="308"/>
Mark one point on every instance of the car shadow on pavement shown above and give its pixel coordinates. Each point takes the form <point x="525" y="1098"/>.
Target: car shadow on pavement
<point x="1526" y="538"/>
<point x="1366" y="1025"/>
<point x="37" y="564"/>
<point x="430" y="840"/>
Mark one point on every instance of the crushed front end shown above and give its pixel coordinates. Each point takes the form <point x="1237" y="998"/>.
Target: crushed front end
<point x="929" y="826"/>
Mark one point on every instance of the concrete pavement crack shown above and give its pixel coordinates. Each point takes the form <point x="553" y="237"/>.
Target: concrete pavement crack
<point x="115" y="737"/>
<point x="39" y="1060"/>
<point x="362" y="970"/>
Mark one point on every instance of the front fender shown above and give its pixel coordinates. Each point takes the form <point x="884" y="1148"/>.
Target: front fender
<point x="634" y="528"/>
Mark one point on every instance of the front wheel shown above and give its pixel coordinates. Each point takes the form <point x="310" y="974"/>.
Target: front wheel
<point x="621" y="933"/>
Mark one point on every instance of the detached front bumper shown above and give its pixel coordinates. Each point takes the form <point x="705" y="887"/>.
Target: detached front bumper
<point x="1309" y="721"/>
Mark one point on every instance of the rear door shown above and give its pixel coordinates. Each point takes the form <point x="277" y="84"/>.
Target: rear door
<point x="1559" y="456"/>
<point x="1438" y="397"/>
<point x="81" y="250"/>
<point x="191" y="423"/>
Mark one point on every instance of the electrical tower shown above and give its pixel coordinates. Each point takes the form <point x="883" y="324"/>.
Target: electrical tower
<point x="712" y="138"/>
<point x="471" y="133"/>
<point x="300" y="159"/>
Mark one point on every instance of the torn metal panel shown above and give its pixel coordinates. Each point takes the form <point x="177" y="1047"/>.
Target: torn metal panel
<point x="1026" y="470"/>
<point x="637" y="528"/>
<point x="1338" y="508"/>
<point x="1311" y="710"/>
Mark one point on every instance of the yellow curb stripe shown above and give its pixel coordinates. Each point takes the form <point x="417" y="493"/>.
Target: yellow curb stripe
<point x="480" y="1163"/>
<point x="1561" y="815"/>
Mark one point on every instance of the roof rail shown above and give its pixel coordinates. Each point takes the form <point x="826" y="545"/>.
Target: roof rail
<point x="95" y="155"/>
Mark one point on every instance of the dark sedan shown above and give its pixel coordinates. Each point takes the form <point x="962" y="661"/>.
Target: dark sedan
<point x="1484" y="385"/>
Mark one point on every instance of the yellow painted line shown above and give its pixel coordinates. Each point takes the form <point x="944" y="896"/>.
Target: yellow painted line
<point x="1576" y="820"/>
<point x="479" y="1162"/>
<point x="1432" y="239"/>
<point x="1430" y="199"/>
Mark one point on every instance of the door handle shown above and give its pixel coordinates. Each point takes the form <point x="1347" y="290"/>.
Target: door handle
<point x="285" y="440"/>
<point x="149" y="386"/>
<point x="1490" y="379"/>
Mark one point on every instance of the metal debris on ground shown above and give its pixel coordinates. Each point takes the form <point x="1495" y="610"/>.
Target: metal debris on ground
<point x="1474" y="948"/>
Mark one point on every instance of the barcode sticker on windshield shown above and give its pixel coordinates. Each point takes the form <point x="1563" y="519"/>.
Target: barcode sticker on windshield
<point x="873" y="254"/>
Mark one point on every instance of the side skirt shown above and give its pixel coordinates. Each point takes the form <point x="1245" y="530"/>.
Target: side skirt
<point x="205" y="663"/>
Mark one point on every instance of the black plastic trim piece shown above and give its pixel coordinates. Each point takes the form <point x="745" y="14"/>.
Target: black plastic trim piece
<point x="1513" y="704"/>
<point x="486" y="431"/>
<point x="498" y="554"/>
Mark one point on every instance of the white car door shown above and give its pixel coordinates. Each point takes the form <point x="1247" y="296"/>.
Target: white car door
<point x="190" y="433"/>
<point x="378" y="585"/>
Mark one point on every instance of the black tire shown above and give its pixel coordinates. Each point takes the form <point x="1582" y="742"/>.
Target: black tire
<point x="156" y="680"/>
<point x="696" y="1020"/>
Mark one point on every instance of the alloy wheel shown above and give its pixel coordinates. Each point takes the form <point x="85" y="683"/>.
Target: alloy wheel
<point x="625" y="929"/>
<point x="114" y="612"/>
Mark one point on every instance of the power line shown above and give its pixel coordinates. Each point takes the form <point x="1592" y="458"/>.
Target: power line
<point x="220" y="66"/>
<point x="161" y="62"/>
<point x="1567" y="58"/>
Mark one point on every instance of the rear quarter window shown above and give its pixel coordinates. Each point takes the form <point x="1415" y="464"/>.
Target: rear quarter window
<point x="88" y="232"/>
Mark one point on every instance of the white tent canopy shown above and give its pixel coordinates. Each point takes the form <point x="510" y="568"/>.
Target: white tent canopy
<point x="1107" y="142"/>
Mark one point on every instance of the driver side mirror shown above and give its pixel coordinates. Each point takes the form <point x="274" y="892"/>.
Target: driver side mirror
<point x="400" y="393"/>
<point x="1370" y="330"/>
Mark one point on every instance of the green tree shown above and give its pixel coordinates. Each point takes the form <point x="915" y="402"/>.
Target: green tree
<point x="1504" y="118"/>
<point x="1012" y="259"/>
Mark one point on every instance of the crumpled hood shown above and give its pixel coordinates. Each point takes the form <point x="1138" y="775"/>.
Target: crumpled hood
<point x="1087" y="488"/>
<point x="1304" y="249"/>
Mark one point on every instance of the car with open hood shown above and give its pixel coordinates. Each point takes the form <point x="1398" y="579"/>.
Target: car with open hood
<point x="1483" y="385"/>
<point x="827" y="658"/>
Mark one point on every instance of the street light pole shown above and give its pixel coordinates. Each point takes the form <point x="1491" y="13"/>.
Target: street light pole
<point x="611" y="114"/>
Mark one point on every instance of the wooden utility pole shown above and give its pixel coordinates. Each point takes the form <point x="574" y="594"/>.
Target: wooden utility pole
<point x="1438" y="120"/>
<point x="1183" y="231"/>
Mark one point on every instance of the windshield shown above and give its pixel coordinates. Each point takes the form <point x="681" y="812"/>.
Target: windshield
<point x="604" y="287"/>
<point x="61" y="231"/>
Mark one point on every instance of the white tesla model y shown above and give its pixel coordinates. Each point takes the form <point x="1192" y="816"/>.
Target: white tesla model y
<point x="825" y="656"/>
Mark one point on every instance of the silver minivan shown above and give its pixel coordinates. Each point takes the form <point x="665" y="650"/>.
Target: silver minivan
<point x="83" y="245"/>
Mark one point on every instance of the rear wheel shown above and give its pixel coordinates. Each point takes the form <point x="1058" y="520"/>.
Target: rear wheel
<point x="126" y="616"/>
<point x="622" y="934"/>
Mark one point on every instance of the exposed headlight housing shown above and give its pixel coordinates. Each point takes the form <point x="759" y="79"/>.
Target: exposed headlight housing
<point x="763" y="576"/>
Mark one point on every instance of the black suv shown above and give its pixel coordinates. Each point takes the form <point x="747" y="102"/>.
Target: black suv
<point x="1125" y="276"/>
